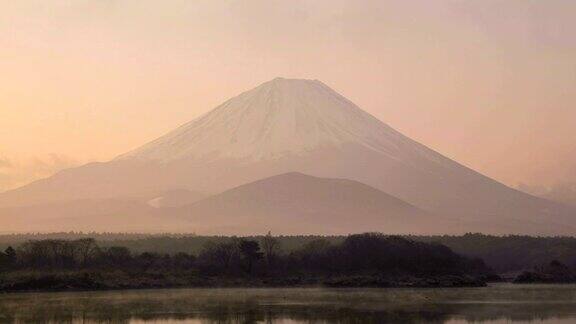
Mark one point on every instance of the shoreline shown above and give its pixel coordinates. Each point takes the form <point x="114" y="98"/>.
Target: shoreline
<point x="83" y="281"/>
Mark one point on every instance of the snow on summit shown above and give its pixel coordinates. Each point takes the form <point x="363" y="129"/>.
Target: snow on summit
<point x="277" y="118"/>
<point x="285" y="126"/>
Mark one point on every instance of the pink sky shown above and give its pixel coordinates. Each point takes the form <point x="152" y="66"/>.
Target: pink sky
<point x="489" y="83"/>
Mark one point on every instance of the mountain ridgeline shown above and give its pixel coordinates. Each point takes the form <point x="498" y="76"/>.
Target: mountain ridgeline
<point x="289" y="155"/>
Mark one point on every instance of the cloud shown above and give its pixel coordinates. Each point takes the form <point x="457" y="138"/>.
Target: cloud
<point x="564" y="192"/>
<point x="15" y="172"/>
<point x="5" y="163"/>
<point x="534" y="190"/>
<point x="51" y="164"/>
<point x="5" y="181"/>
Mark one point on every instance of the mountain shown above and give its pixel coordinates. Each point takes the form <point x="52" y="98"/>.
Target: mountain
<point x="175" y="198"/>
<point x="102" y="215"/>
<point x="291" y="203"/>
<point x="289" y="125"/>
<point x="563" y="192"/>
<point x="277" y="119"/>
<point x="151" y="212"/>
<point x="294" y="203"/>
<point x="147" y="212"/>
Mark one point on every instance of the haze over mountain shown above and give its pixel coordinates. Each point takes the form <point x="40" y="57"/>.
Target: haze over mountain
<point x="290" y="125"/>
<point x="101" y="215"/>
<point x="564" y="192"/>
<point x="294" y="203"/>
<point x="174" y="198"/>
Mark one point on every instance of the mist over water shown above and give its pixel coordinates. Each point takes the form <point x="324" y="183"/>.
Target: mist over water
<point x="500" y="303"/>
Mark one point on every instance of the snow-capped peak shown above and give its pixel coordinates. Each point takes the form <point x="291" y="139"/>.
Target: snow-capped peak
<point x="277" y="118"/>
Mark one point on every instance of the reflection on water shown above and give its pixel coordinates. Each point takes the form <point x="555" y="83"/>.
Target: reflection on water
<point x="500" y="303"/>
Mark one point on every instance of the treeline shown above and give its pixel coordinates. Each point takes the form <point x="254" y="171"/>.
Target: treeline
<point x="375" y="254"/>
<point x="554" y="272"/>
<point x="382" y="259"/>
<point x="169" y="243"/>
<point x="510" y="253"/>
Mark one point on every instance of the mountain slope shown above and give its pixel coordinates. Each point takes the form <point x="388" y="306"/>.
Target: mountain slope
<point x="279" y="118"/>
<point x="294" y="203"/>
<point x="102" y="215"/>
<point x="175" y="198"/>
<point x="287" y="125"/>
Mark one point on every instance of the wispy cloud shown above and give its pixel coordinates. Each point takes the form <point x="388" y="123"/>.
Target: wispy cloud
<point x="5" y="163"/>
<point x="15" y="172"/>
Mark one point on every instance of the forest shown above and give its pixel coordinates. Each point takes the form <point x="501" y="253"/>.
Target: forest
<point x="503" y="254"/>
<point x="360" y="260"/>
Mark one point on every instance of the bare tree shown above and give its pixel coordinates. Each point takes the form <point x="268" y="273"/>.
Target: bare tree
<point x="221" y="254"/>
<point x="270" y="248"/>
<point x="86" y="249"/>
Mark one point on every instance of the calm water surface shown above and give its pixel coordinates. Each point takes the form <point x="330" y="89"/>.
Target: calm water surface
<point x="501" y="303"/>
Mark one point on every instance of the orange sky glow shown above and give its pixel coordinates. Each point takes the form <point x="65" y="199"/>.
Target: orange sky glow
<point x="490" y="83"/>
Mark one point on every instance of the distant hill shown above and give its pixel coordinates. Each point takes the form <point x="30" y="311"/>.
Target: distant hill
<point x="175" y="198"/>
<point x="294" y="125"/>
<point x="294" y="203"/>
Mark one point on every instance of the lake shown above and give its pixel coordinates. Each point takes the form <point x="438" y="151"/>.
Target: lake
<point x="497" y="303"/>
